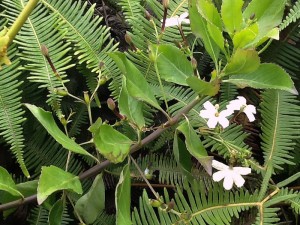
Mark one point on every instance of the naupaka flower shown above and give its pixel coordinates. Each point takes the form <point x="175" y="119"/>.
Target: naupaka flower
<point x="214" y="116"/>
<point x="241" y="105"/>
<point x="177" y="20"/>
<point x="229" y="174"/>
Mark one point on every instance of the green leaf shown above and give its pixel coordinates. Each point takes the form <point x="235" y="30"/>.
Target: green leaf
<point x="268" y="14"/>
<point x="245" y="36"/>
<point x="172" y="69"/>
<point x="232" y="15"/>
<point x="131" y="107"/>
<point x="7" y="184"/>
<point x="266" y="76"/>
<point x="214" y="23"/>
<point x="47" y="120"/>
<point x="136" y="83"/>
<point x="93" y="202"/>
<point x="53" y="179"/>
<point x="202" y="87"/>
<point x="183" y="157"/>
<point x="195" y="146"/>
<point x="243" y="61"/>
<point x="200" y="30"/>
<point x="112" y="144"/>
<point x="122" y="197"/>
<point x="56" y="213"/>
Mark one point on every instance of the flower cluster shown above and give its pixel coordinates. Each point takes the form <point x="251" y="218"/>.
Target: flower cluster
<point x="231" y="175"/>
<point x="211" y="112"/>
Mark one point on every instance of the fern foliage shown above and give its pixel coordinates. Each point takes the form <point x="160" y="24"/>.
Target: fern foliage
<point x="11" y="111"/>
<point x="293" y="15"/>
<point x="280" y="113"/>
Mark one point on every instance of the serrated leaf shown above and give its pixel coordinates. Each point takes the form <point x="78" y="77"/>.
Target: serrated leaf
<point x="136" y="83"/>
<point x="231" y="12"/>
<point x="199" y="29"/>
<point x="195" y="146"/>
<point x="112" y="144"/>
<point x="242" y="62"/>
<point x="93" y="202"/>
<point x="172" y="69"/>
<point x="56" y="213"/>
<point x="53" y="179"/>
<point x="131" y="107"/>
<point x="122" y="198"/>
<point x="7" y="184"/>
<point x="47" y="120"/>
<point x="203" y="87"/>
<point x="266" y="76"/>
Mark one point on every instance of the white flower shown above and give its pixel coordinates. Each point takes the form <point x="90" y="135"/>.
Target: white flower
<point x="240" y="104"/>
<point x="177" y="20"/>
<point x="214" y="117"/>
<point x="230" y="174"/>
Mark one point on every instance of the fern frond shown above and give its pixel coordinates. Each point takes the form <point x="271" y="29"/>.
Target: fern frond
<point x="37" y="31"/>
<point x="196" y="207"/>
<point x="91" y="40"/>
<point x="280" y="113"/>
<point x="292" y="16"/>
<point x="105" y="219"/>
<point x="228" y="142"/>
<point x="295" y="204"/>
<point x="38" y="216"/>
<point x="228" y="92"/>
<point x="11" y="112"/>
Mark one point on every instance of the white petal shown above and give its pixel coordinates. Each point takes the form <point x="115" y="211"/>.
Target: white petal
<point x="218" y="165"/>
<point x="187" y="21"/>
<point x="250" y="109"/>
<point x="242" y="100"/>
<point x="224" y="122"/>
<point x="217" y="176"/>
<point x="184" y="15"/>
<point x="238" y="180"/>
<point x="225" y="113"/>
<point x="207" y="105"/>
<point x="228" y="181"/>
<point x="242" y="170"/>
<point x="250" y="116"/>
<point x="206" y="113"/>
<point x="170" y="22"/>
<point x="212" y="122"/>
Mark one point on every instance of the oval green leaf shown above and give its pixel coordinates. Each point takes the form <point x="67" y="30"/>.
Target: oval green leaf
<point x="56" y="213"/>
<point x="202" y="87"/>
<point x="232" y="15"/>
<point x="53" y="179"/>
<point x="7" y="183"/>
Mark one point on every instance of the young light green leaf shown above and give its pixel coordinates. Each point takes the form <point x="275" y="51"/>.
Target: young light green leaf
<point x="232" y="15"/>
<point x="56" y="213"/>
<point x="200" y="30"/>
<point x="202" y="87"/>
<point x="93" y="202"/>
<point x="246" y="36"/>
<point x="47" y="120"/>
<point x="268" y="14"/>
<point x="183" y="157"/>
<point x="195" y="146"/>
<point x="122" y="197"/>
<point x="214" y="23"/>
<point x="136" y="83"/>
<point x="173" y="65"/>
<point x="53" y="179"/>
<point x="112" y="144"/>
<point x="7" y="184"/>
<point x="266" y="76"/>
<point x="131" y="107"/>
<point x="242" y="62"/>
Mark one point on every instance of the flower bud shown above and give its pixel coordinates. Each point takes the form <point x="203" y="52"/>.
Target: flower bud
<point x="60" y="91"/>
<point x="111" y="104"/>
<point x="86" y="97"/>
<point x="148" y="15"/>
<point x="165" y="3"/>
<point x="194" y="63"/>
<point x="63" y="120"/>
<point x="101" y="65"/>
<point x="170" y="205"/>
<point x="102" y="80"/>
<point x="128" y="39"/>
<point x="44" y="50"/>
<point x="155" y="203"/>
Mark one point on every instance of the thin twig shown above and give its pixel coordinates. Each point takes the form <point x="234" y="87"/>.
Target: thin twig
<point x="98" y="168"/>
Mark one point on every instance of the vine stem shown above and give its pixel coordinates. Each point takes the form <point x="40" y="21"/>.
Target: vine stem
<point x="99" y="167"/>
<point x="19" y="22"/>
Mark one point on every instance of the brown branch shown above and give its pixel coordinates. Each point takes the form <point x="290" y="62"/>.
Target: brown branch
<point x="98" y="168"/>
